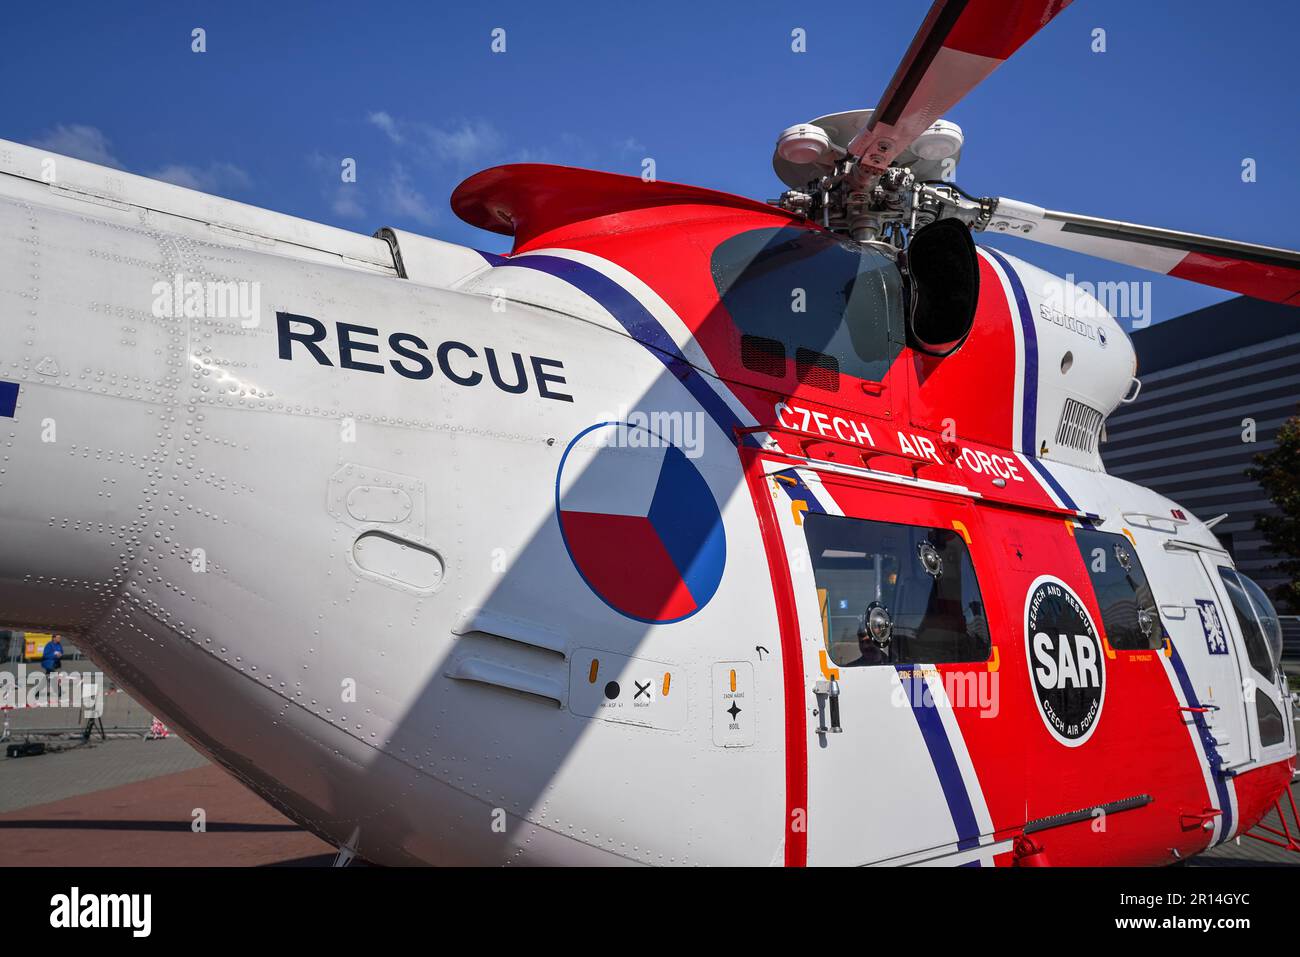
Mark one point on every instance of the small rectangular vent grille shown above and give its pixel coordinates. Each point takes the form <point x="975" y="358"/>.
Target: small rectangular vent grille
<point x="1080" y="426"/>
<point x="760" y="354"/>
<point x="817" y="369"/>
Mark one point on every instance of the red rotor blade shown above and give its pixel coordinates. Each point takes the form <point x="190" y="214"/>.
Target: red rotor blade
<point x="1262" y="272"/>
<point x="959" y="44"/>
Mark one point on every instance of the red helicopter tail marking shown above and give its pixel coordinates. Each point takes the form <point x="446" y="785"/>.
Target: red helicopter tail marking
<point x="796" y="744"/>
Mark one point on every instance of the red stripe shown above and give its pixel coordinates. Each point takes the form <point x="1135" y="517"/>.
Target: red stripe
<point x="1260" y="280"/>
<point x="998" y="28"/>
<point x="796" y="742"/>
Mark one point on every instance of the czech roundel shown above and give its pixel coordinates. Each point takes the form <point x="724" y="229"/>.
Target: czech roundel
<point x="640" y="523"/>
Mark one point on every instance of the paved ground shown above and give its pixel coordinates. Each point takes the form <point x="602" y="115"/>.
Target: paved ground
<point x="128" y="802"/>
<point x="1248" y="852"/>
<point x="81" y="769"/>
<point x="131" y="803"/>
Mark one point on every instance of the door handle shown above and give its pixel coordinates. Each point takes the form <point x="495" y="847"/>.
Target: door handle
<point x="830" y="690"/>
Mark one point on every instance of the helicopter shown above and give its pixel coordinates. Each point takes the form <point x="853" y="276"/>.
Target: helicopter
<point x="695" y="530"/>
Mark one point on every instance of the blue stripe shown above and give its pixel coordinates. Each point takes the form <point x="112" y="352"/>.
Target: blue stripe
<point x="1207" y="741"/>
<point x="493" y="259"/>
<point x="637" y="321"/>
<point x="1057" y="487"/>
<point x="942" y="757"/>
<point x="1029" y="410"/>
<point x="8" y="399"/>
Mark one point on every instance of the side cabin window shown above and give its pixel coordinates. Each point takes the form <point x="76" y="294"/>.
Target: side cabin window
<point x="895" y="594"/>
<point x="830" y="306"/>
<point x="1129" y="617"/>
<point x="1261" y="629"/>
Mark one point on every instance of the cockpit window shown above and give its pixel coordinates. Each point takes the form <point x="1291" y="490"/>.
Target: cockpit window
<point x="1128" y="608"/>
<point x="827" y="302"/>
<point x="1260" y="627"/>
<point x="895" y="594"/>
<point x="1261" y="630"/>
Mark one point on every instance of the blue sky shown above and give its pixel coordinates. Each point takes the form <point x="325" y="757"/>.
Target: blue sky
<point x="1153" y="130"/>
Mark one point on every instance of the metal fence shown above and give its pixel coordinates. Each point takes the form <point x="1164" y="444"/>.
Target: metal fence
<point x="59" y="709"/>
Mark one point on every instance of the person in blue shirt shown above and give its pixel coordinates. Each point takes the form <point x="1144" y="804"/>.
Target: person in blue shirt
<point x="52" y="655"/>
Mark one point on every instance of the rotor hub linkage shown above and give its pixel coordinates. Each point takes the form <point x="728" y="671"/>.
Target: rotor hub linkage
<point x="887" y="208"/>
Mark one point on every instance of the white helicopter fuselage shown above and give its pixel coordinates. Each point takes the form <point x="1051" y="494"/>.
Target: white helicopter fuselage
<point x="311" y="519"/>
<point x="195" y="520"/>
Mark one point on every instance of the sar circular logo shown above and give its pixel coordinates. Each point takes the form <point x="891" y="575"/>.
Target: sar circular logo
<point x="1067" y="669"/>
<point x="639" y="522"/>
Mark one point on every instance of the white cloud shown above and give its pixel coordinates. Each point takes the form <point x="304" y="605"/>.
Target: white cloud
<point x="80" y="142"/>
<point x="404" y="200"/>
<point x="386" y="123"/>
<point x="213" y="178"/>
<point x="345" y="199"/>
<point x="464" y="143"/>
<point x="346" y="203"/>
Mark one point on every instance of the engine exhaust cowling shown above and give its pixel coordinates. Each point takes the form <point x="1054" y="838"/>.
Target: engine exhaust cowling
<point x="943" y="273"/>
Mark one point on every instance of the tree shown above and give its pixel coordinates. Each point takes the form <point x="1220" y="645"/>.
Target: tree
<point x="1278" y="471"/>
